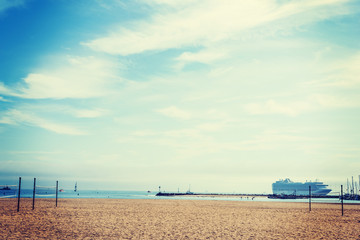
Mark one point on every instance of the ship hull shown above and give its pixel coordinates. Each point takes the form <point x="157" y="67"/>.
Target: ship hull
<point x="287" y="187"/>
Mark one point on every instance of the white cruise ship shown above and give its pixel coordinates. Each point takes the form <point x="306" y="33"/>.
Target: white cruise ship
<point x="288" y="187"/>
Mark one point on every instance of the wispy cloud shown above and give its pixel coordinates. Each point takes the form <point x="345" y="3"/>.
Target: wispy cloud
<point x="77" y="77"/>
<point x="344" y="73"/>
<point x="3" y="99"/>
<point x="209" y="55"/>
<point x="190" y="26"/>
<point x="275" y="139"/>
<point x="19" y="117"/>
<point x="6" y="91"/>
<point x="89" y="113"/>
<point x="316" y="102"/>
<point x="274" y="107"/>
<point x="211" y="127"/>
<point x="336" y="101"/>
<point x="34" y="152"/>
<point x="6" y="4"/>
<point x="110" y="4"/>
<point x="172" y="3"/>
<point x="65" y="110"/>
<point x="175" y="112"/>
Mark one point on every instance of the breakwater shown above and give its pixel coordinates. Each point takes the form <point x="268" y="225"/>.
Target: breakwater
<point x="274" y="196"/>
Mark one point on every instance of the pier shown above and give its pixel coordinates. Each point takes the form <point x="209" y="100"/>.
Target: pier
<point x="275" y="196"/>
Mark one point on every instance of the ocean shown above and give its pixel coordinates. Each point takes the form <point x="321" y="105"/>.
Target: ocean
<point x="50" y="193"/>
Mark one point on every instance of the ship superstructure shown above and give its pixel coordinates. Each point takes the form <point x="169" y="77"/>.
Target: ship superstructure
<point x="288" y="187"/>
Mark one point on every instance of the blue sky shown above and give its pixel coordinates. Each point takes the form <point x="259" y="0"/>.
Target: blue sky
<point x="228" y="96"/>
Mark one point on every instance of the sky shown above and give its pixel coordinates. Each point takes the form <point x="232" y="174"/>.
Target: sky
<point x="219" y="96"/>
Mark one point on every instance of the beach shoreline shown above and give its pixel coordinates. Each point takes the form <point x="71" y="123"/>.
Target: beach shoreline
<point x="176" y="219"/>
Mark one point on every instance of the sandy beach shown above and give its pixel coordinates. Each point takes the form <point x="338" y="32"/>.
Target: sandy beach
<point x="175" y="219"/>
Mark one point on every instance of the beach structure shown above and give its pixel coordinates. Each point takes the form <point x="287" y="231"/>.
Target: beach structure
<point x="15" y="192"/>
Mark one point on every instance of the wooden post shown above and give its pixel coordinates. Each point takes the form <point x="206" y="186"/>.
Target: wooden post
<point x="34" y="191"/>
<point x="57" y="185"/>
<point x="309" y="198"/>
<point x="18" y="206"/>
<point x="352" y="187"/>
<point x="342" y="201"/>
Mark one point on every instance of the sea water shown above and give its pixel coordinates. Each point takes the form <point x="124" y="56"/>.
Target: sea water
<point x="50" y="193"/>
<point x="103" y="194"/>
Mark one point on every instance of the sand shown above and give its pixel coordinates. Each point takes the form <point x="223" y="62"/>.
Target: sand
<point x="175" y="219"/>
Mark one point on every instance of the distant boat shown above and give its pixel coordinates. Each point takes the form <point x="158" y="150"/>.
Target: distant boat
<point x="61" y="190"/>
<point x="149" y="191"/>
<point x="5" y="188"/>
<point x="288" y="187"/>
<point x="188" y="192"/>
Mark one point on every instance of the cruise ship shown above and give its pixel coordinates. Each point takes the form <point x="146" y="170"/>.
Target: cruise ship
<point x="288" y="187"/>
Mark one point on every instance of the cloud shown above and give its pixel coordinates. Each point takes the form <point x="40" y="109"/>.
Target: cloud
<point x="67" y="110"/>
<point x="19" y="117"/>
<point x="195" y="132"/>
<point x="174" y="112"/>
<point x="210" y="127"/>
<point x="173" y="3"/>
<point x="273" y="107"/>
<point x="334" y="102"/>
<point x="7" y="120"/>
<point x="208" y="56"/>
<point x="7" y="4"/>
<point x="3" y="99"/>
<point x="6" y="91"/>
<point x="144" y="133"/>
<point x="109" y="5"/>
<point x="34" y="152"/>
<point x="51" y="117"/>
<point x="208" y="22"/>
<point x="84" y="113"/>
<point x="77" y="77"/>
<point x="344" y="73"/>
<point x="316" y="102"/>
<point x="183" y="133"/>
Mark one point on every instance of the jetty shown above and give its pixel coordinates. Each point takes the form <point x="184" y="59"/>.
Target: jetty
<point x="250" y="195"/>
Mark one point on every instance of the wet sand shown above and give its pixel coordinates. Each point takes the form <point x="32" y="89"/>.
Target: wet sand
<point x="175" y="219"/>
